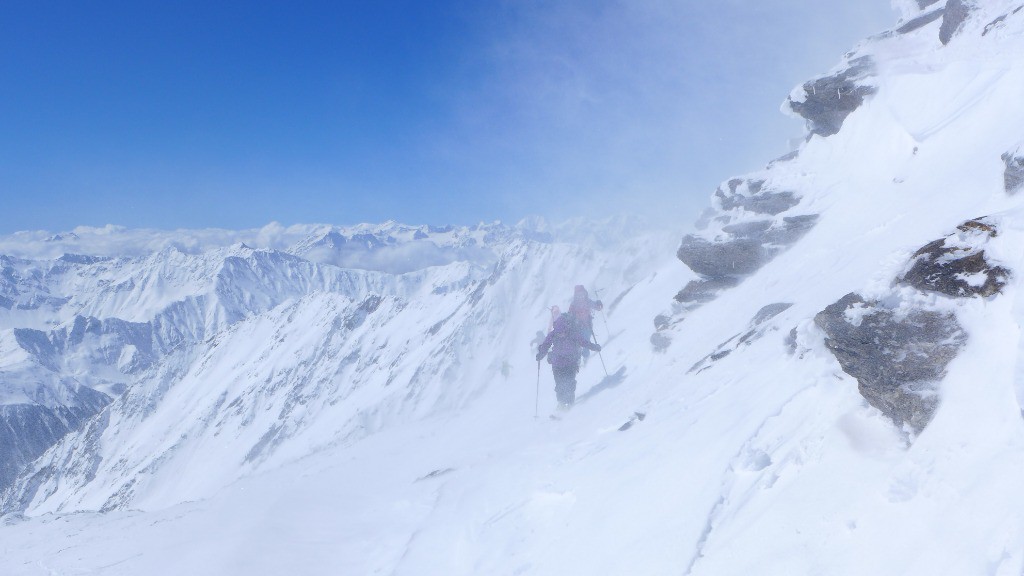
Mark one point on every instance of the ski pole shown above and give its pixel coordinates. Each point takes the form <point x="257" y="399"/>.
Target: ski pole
<point x="594" y="336"/>
<point x="603" y="317"/>
<point x="536" y="399"/>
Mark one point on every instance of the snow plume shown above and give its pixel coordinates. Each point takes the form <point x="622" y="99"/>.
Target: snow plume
<point x="598" y="126"/>
<point x="836" y="389"/>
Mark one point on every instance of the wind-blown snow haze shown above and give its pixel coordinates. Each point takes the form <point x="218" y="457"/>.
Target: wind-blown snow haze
<point x="820" y="375"/>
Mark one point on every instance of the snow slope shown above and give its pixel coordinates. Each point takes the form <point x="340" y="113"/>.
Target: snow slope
<point x="392" y="431"/>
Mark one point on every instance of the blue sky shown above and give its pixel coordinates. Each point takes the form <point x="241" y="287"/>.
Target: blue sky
<point x="235" y="114"/>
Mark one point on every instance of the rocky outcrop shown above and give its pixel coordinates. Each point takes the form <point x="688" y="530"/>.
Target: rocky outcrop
<point x="1000" y="21"/>
<point x="742" y="249"/>
<point x="705" y="290"/>
<point x="953" y="18"/>
<point x="898" y="351"/>
<point x="739" y="250"/>
<point x="725" y="259"/>
<point x="1013" y="176"/>
<point x="356" y="318"/>
<point x="827" y="101"/>
<point x="897" y="359"/>
<point x="956" y="266"/>
<point x="920" y="22"/>
<point x="746" y="227"/>
<point x="758" y="327"/>
<point x="751" y="196"/>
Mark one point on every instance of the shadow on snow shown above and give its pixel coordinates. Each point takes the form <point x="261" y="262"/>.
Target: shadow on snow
<point x="610" y="381"/>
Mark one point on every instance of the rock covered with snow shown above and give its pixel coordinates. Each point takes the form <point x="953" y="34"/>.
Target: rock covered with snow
<point x="752" y="220"/>
<point x="750" y="223"/>
<point x="826" y="102"/>
<point x="1013" y="175"/>
<point x="898" y="358"/>
<point x="898" y="347"/>
<point x="956" y="265"/>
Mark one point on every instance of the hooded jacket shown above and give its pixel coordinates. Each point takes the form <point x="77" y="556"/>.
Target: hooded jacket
<point x="564" y="341"/>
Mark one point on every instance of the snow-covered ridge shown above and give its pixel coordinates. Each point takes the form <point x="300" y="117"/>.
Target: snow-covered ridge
<point x="357" y="242"/>
<point x="164" y="323"/>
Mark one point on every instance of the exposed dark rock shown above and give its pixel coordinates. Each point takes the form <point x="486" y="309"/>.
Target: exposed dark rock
<point x="38" y="344"/>
<point x="897" y="359"/>
<point x="81" y="259"/>
<point x="748" y="247"/>
<point x="770" y="311"/>
<point x="980" y="226"/>
<point x="791" y="341"/>
<point x="332" y="240"/>
<point x="736" y="257"/>
<point x="829" y="100"/>
<point x="953" y="18"/>
<point x="367" y="240"/>
<point x="957" y="269"/>
<point x="1013" y="176"/>
<point x="770" y="203"/>
<point x="792" y="229"/>
<point x="788" y="157"/>
<point x="660" y="342"/>
<point x="752" y="196"/>
<point x="921" y="21"/>
<point x="365" y="308"/>
<point x="742" y="231"/>
<point x="112" y="335"/>
<point x="27" y="430"/>
<point x="269" y="439"/>
<point x="436" y="473"/>
<point x="66" y="463"/>
<point x="741" y="247"/>
<point x="751" y="229"/>
<point x="999" y="22"/>
<point x="755" y="330"/>
<point x="662" y="321"/>
<point x="704" y="290"/>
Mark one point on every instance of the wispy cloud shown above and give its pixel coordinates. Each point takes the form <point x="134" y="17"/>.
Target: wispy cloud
<point x="594" y="107"/>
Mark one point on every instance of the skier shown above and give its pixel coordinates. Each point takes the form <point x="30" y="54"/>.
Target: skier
<point x="555" y="313"/>
<point x="581" y="310"/>
<point x="565" y="341"/>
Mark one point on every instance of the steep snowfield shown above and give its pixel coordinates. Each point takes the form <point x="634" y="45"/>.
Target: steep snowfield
<point x="312" y="372"/>
<point x="390" y="429"/>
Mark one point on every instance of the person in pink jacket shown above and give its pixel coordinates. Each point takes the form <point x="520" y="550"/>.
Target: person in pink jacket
<point x="564" y="341"/>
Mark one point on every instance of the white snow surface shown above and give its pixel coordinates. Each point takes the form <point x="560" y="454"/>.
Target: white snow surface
<point x="294" y="434"/>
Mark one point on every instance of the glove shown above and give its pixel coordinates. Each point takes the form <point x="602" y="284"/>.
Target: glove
<point x="598" y="305"/>
<point x="597" y="347"/>
<point x="540" y="356"/>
